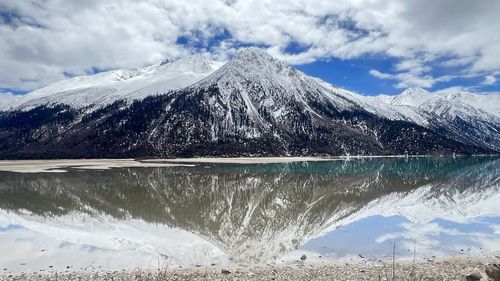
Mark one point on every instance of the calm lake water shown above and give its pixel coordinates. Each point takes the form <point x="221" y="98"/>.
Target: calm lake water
<point x="432" y="207"/>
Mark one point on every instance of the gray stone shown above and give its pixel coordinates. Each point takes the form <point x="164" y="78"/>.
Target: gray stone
<point x="475" y="275"/>
<point x="225" y="271"/>
<point x="493" y="272"/>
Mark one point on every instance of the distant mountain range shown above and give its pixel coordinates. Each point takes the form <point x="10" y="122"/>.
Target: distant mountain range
<point x="253" y="104"/>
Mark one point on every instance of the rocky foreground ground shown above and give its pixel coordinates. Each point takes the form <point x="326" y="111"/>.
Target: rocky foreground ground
<point x="459" y="269"/>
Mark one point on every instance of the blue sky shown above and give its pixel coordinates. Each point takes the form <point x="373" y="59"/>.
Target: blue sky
<point x="354" y="74"/>
<point x="368" y="46"/>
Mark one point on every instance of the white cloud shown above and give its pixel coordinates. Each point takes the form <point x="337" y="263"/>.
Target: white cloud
<point x="489" y="80"/>
<point x="458" y="89"/>
<point x="378" y="74"/>
<point x="458" y="61"/>
<point x="415" y="75"/>
<point x="6" y="98"/>
<point x="452" y="90"/>
<point x="407" y="79"/>
<point x="49" y="38"/>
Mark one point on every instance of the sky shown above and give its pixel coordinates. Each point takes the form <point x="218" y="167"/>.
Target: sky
<point x="367" y="46"/>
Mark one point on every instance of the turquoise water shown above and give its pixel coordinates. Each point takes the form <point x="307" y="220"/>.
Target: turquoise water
<point x="431" y="207"/>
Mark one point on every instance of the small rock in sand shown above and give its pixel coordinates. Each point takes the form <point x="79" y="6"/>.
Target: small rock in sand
<point x="303" y="257"/>
<point x="493" y="271"/>
<point x="475" y="275"/>
<point x="225" y="271"/>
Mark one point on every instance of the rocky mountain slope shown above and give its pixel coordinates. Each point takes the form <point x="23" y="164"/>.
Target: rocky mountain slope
<point x="252" y="105"/>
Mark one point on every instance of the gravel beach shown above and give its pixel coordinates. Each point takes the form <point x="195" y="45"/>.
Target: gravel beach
<point x="452" y="269"/>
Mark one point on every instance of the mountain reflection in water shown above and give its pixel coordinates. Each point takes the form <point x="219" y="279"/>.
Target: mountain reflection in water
<point x="246" y="213"/>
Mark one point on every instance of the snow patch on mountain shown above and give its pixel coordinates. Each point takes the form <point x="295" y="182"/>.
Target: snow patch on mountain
<point x="106" y="87"/>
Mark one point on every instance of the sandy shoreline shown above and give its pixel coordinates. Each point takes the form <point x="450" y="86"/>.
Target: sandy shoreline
<point x="449" y="269"/>
<point x="61" y="165"/>
<point x="242" y="160"/>
<point x="58" y="166"/>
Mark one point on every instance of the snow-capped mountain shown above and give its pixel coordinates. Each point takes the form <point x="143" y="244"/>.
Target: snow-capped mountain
<point x="254" y="93"/>
<point x="470" y="118"/>
<point x="271" y="83"/>
<point x="418" y="97"/>
<point x="104" y="88"/>
<point x="252" y="105"/>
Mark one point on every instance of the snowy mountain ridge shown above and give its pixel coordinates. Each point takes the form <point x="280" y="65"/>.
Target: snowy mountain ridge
<point x="131" y="84"/>
<point x="418" y="96"/>
<point x="253" y="104"/>
<point x="107" y="87"/>
<point x="264" y="81"/>
<point x="422" y="99"/>
<point x="450" y="112"/>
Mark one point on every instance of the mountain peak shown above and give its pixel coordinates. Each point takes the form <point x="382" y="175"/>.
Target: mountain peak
<point x="256" y="60"/>
<point x="414" y="91"/>
<point x="253" y="53"/>
<point x="198" y="63"/>
<point x="259" y="60"/>
<point x="412" y="97"/>
<point x="255" y="66"/>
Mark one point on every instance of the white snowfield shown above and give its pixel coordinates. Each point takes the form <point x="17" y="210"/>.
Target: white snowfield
<point x="105" y="88"/>
<point x="414" y="104"/>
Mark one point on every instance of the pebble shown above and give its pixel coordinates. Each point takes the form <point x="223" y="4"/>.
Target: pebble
<point x="475" y="275"/>
<point x="373" y="270"/>
<point x="493" y="272"/>
<point x="225" y="271"/>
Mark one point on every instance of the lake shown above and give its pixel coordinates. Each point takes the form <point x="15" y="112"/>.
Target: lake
<point x="206" y="214"/>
